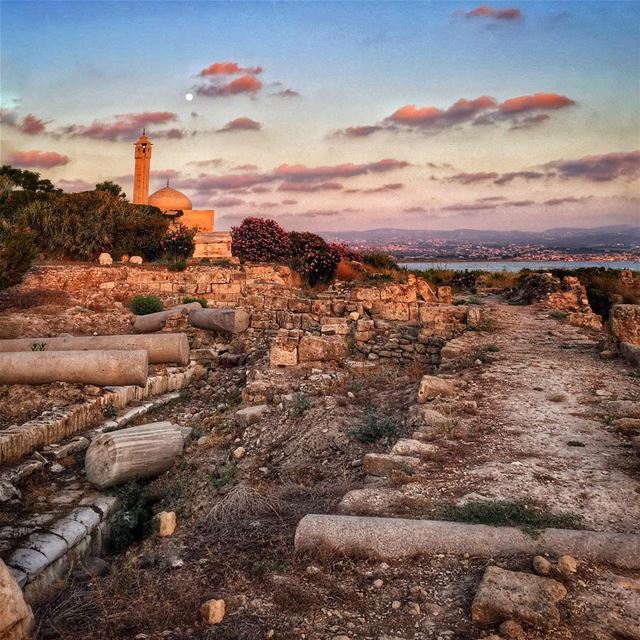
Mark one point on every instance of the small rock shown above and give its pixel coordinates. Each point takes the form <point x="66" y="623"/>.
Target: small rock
<point x="396" y="604"/>
<point x="56" y="468"/>
<point x="312" y="570"/>
<point x="213" y="611"/>
<point x="567" y="565"/>
<point x="105" y="259"/>
<point x="512" y="630"/>
<point x="413" y="608"/>
<point x="378" y="584"/>
<point x="165" y="523"/>
<point x="541" y="566"/>
<point x="135" y="260"/>
<point x="239" y="453"/>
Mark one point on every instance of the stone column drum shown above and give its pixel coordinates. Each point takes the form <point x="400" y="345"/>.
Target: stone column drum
<point x="102" y="368"/>
<point x="162" y="348"/>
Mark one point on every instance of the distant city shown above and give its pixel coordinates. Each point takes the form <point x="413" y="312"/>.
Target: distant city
<point x="610" y="243"/>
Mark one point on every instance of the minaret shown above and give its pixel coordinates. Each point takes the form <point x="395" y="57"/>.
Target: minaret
<point x="141" y="171"/>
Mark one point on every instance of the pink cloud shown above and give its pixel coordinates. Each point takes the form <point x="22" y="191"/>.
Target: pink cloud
<point x="470" y="178"/>
<point x="38" y="159"/>
<point x="600" y="168"/>
<point x="124" y="127"/>
<point x="485" y="11"/>
<point x="246" y="84"/>
<point x="32" y="125"/>
<point x="241" y="124"/>
<point x="229" y="68"/>
<point x="301" y="173"/>
<point x="228" y="203"/>
<point x="310" y="187"/>
<point x="535" y="102"/>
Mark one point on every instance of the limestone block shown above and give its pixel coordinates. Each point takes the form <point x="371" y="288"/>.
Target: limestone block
<point x="431" y="387"/>
<point x="409" y="447"/>
<point x="284" y="354"/>
<point x="250" y="415"/>
<point x="165" y="523"/>
<point x="16" y="617"/>
<point x="382" y="464"/>
<point x="624" y="323"/>
<point x="425" y="291"/>
<point x="105" y="259"/>
<point x="512" y="595"/>
<point x="444" y="295"/>
<point x="322" y="348"/>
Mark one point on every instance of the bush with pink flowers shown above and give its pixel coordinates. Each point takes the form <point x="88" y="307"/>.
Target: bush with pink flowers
<point x="314" y="259"/>
<point x="260" y="240"/>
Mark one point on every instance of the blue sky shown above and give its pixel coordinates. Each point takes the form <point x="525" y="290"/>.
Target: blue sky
<point x="78" y="68"/>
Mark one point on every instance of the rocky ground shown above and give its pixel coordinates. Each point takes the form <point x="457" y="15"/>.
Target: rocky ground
<point x="535" y="420"/>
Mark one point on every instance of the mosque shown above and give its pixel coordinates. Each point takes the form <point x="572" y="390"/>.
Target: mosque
<point x="209" y="243"/>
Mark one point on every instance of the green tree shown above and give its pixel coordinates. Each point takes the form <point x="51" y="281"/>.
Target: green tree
<point x="112" y="188"/>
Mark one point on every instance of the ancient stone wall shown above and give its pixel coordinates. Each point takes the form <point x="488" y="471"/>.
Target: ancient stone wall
<point x="400" y="321"/>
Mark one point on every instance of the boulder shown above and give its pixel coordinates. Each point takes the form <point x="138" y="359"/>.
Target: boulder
<point x="105" y="259"/>
<point x="431" y="387"/>
<point x="624" y="323"/>
<point x="322" y="348"/>
<point x="424" y="419"/>
<point x="382" y="464"/>
<point x="233" y="321"/>
<point x="250" y="415"/>
<point x="512" y="595"/>
<point x="136" y="260"/>
<point x="16" y="618"/>
<point x="444" y="295"/>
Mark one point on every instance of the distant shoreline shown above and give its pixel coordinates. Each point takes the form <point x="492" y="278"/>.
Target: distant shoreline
<point x="517" y="265"/>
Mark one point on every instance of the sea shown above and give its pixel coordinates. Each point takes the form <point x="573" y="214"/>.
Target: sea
<point x="517" y="265"/>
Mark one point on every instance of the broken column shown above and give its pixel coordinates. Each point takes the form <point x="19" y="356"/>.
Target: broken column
<point x="16" y="618"/>
<point x="102" y="368"/>
<point x="131" y="454"/>
<point x="155" y="321"/>
<point x="162" y="348"/>
<point x="228" y="320"/>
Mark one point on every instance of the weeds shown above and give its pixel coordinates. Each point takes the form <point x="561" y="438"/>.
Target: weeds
<point x="133" y="520"/>
<point x="202" y="301"/>
<point x="375" y="427"/>
<point x="109" y="411"/>
<point x="143" y="305"/>
<point x="558" y="315"/>
<point x="525" y="516"/>
<point x="301" y="404"/>
<point x="224" y="477"/>
<point x="38" y="346"/>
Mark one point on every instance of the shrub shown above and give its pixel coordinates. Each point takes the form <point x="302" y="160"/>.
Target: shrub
<point x="313" y="258"/>
<point x="301" y="404"/>
<point x="346" y="252"/>
<point x="17" y="253"/>
<point x="143" y="305"/>
<point x="132" y="520"/>
<point x="178" y="243"/>
<point x="202" y="301"/>
<point x="177" y="265"/>
<point x="379" y="260"/>
<point x="260" y="240"/>
<point x="375" y="427"/>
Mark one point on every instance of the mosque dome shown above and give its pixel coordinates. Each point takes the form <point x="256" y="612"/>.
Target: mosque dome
<point x="168" y="199"/>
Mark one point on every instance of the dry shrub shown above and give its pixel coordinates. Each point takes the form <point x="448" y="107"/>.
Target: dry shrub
<point x="348" y="272"/>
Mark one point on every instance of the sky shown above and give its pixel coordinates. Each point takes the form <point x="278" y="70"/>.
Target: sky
<point x="336" y="115"/>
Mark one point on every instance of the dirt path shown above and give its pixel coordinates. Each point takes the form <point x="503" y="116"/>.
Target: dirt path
<point x="542" y="401"/>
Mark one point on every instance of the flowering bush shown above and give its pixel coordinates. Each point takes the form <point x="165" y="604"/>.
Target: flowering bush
<point x="313" y="258"/>
<point x="178" y="243"/>
<point x="260" y="240"/>
<point x="346" y="252"/>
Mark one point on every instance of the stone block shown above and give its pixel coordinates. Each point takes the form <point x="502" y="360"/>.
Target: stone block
<point x="165" y="523"/>
<point x="322" y="348"/>
<point x="431" y="387"/>
<point x="512" y="595"/>
<point x="382" y="464"/>
<point x="408" y="447"/>
<point x="284" y="354"/>
<point x="213" y="611"/>
<point x="250" y="415"/>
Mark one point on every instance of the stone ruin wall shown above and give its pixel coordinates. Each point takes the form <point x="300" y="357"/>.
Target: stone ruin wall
<point x="395" y="321"/>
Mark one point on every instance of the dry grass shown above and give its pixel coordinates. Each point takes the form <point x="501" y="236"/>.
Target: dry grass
<point x="557" y="396"/>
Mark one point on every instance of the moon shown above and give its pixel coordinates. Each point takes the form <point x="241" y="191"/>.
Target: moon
<point x="189" y="97"/>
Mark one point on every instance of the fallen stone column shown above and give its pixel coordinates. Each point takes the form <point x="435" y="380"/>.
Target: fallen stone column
<point x="16" y="618"/>
<point x="396" y="538"/>
<point x="155" y="321"/>
<point x="229" y="320"/>
<point x="162" y="348"/>
<point x="133" y="453"/>
<point x="102" y="368"/>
